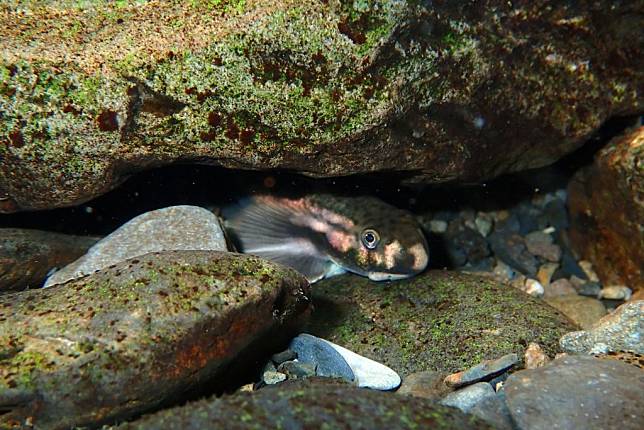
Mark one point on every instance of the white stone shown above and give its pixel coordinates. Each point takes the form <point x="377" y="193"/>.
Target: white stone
<point x="168" y="229"/>
<point x="616" y="292"/>
<point x="368" y="373"/>
<point x="438" y="226"/>
<point x="534" y="288"/>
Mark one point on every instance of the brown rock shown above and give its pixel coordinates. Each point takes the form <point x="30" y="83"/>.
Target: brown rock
<point x="584" y="311"/>
<point x="544" y="275"/>
<point x="26" y="256"/>
<point x="535" y="356"/>
<point x="606" y="202"/>
<point x="561" y="287"/>
<point x="137" y="334"/>
<point x="444" y="91"/>
<point x="427" y="384"/>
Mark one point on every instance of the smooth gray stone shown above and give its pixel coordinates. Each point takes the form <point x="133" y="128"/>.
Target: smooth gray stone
<point x="175" y="228"/>
<point x="494" y="410"/>
<point x="465" y="399"/>
<point x="577" y="392"/>
<point x="483" y="371"/>
<point x="329" y="362"/>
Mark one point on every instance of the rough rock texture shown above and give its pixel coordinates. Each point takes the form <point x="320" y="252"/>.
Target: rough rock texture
<point x="127" y="338"/>
<point x="91" y="92"/>
<point x="310" y="404"/>
<point x="26" y="256"/>
<point x="577" y="393"/>
<point x="174" y="228"/>
<point x="440" y="320"/>
<point x="606" y="202"/>
<point x="622" y="330"/>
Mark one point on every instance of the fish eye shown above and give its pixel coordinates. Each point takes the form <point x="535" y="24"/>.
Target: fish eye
<point x="370" y="238"/>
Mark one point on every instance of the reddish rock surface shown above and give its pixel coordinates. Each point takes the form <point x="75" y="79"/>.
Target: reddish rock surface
<point x="606" y="202"/>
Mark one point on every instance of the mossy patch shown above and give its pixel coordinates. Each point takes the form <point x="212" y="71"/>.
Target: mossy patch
<point x="438" y="321"/>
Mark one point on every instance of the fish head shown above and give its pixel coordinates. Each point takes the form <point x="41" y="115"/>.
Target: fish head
<point x="386" y="244"/>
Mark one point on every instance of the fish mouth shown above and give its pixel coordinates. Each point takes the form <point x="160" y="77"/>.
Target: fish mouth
<point x="382" y="276"/>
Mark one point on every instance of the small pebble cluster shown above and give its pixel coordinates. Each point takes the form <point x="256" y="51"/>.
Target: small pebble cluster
<point x="526" y="245"/>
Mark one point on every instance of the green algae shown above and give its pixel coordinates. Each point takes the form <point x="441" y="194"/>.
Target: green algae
<point x="438" y="321"/>
<point x="135" y="325"/>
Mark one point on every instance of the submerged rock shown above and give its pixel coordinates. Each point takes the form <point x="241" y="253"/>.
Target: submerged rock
<point x="583" y="311"/>
<point x="483" y="371"/>
<point x="466" y="398"/>
<point x="130" y="337"/>
<point x="436" y="321"/>
<point x="620" y="331"/>
<point x="92" y="92"/>
<point x="310" y="404"/>
<point x="27" y="256"/>
<point x="173" y="228"/>
<point x="577" y="393"/>
<point x="607" y="211"/>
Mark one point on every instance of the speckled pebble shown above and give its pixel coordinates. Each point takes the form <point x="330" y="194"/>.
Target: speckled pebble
<point x="271" y="378"/>
<point x="535" y="356"/>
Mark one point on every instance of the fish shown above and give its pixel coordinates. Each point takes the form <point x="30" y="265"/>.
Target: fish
<point x="323" y="235"/>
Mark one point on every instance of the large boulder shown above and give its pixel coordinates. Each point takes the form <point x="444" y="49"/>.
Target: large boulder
<point x="27" y="256"/>
<point x="444" y="321"/>
<point x="606" y="202"/>
<point x="138" y="334"/>
<point x="310" y="404"/>
<point x="91" y="92"/>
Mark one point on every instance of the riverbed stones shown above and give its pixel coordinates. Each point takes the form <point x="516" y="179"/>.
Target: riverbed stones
<point x="173" y="228"/>
<point x="439" y="320"/>
<point x="138" y="334"/>
<point x="308" y="404"/>
<point x="92" y="92"/>
<point x="620" y="331"/>
<point x="577" y="392"/>
<point x="27" y="256"/>
<point x="606" y="202"/>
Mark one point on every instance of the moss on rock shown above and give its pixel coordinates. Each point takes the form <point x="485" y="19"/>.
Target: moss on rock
<point x="127" y="338"/>
<point x="442" y="321"/>
<point x="91" y="91"/>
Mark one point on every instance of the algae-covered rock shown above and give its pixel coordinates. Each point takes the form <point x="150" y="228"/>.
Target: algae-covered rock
<point x="310" y="404"/>
<point x="26" y="256"/>
<point x="127" y="338"/>
<point x="442" y="321"/>
<point x="91" y="92"/>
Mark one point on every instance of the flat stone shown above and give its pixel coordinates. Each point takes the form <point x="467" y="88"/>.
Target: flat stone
<point x="327" y="361"/>
<point x="27" y="256"/>
<point x="168" y="229"/>
<point x="146" y="330"/>
<point x="560" y="287"/>
<point x="483" y="371"/>
<point x="466" y="398"/>
<point x="312" y="403"/>
<point x="427" y="384"/>
<point x="368" y="373"/>
<point x="620" y="331"/>
<point x="534" y="356"/>
<point x="577" y="393"/>
<point x="584" y="311"/>
<point x="439" y="320"/>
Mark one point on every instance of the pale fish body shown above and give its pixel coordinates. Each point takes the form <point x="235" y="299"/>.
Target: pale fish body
<point x="322" y="235"/>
